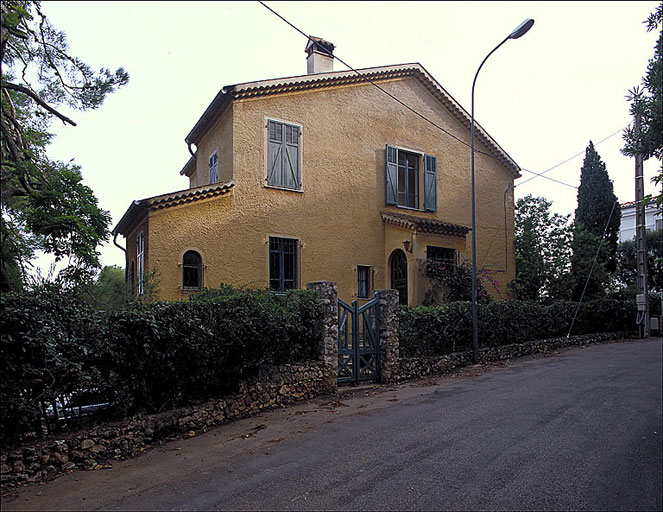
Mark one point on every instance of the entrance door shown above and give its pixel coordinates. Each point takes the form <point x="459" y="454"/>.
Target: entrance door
<point x="398" y="264"/>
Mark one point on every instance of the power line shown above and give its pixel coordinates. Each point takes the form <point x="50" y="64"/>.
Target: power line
<point x="536" y="175"/>
<point x="376" y="85"/>
<point x="582" y="296"/>
<point x="567" y="160"/>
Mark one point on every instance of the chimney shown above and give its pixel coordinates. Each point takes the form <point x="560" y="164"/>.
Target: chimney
<point x="320" y="56"/>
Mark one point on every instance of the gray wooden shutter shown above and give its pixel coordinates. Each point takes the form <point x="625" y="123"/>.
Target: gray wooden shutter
<point x="275" y="138"/>
<point x="430" y="183"/>
<point x="391" y="175"/>
<point x="291" y="176"/>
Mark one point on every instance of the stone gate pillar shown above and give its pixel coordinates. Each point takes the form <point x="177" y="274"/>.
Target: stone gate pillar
<point x="389" y="344"/>
<point x="328" y="344"/>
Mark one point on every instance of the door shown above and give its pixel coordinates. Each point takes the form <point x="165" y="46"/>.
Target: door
<point x="398" y="268"/>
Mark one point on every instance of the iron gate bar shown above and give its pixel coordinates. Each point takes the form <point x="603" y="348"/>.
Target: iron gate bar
<point x="358" y="341"/>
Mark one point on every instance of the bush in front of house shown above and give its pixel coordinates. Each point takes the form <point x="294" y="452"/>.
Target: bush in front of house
<point x="435" y="331"/>
<point x="168" y="354"/>
<point x="150" y="357"/>
<point x="48" y="348"/>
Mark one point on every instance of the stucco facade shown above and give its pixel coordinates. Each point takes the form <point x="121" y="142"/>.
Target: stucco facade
<point x="338" y="217"/>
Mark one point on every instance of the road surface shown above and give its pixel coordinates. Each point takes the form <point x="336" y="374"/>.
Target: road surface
<point x="577" y="430"/>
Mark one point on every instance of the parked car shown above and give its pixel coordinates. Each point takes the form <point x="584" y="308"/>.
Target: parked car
<point x="78" y="406"/>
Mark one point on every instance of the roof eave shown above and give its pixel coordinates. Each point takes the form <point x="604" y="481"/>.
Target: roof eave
<point x="136" y="208"/>
<point x="211" y="114"/>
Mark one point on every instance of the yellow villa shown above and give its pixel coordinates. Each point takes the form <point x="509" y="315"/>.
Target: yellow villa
<point x="325" y="177"/>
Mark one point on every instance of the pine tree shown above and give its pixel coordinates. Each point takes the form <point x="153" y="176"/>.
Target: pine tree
<point x="596" y="201"/>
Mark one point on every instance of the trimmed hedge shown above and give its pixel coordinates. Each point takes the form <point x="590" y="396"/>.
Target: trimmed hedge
<point x="148" y="358"/>
<point x="435" y="331"/>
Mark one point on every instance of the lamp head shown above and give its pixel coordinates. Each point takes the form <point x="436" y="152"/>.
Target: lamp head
<point x="521" y="29"/>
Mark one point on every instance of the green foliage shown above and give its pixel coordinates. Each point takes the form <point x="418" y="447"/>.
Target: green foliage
<point x="452" y="284"/>
<point x="647" y="104"/>
<point x="596" y="201"/>
<point x="542" y="250"/>
<point x="109" y="292"/>
<point x="48" y="347"/>
<point x="626" y="263"/>
<point x="435" y="331"/>
<point x="44" y="205"/>
<point x="150" y="357"/>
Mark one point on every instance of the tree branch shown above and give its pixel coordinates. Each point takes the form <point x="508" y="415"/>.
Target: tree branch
<point x="39" y="101"/>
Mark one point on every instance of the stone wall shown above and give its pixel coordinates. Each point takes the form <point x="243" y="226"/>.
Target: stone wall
<point x="417" y="367"/>
<point x="100" y="445"/>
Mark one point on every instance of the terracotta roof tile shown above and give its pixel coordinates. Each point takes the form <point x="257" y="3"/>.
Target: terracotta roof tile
<point x="423" y="225"/>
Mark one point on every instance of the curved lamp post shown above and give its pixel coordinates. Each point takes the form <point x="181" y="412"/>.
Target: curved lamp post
<point x="519" y="31"/>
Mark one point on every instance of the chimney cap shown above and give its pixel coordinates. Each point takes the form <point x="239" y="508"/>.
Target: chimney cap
<point x="320" y="45"/>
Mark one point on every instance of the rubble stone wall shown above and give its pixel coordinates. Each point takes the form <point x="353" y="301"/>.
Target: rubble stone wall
<point x="417" y="367"/>
<point x="102" y="444"/>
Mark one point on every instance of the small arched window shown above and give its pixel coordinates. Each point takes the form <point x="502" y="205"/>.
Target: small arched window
<point x="192" y="271"/>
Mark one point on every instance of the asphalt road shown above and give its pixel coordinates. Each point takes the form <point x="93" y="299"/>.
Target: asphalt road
<point x="580" y="430"/>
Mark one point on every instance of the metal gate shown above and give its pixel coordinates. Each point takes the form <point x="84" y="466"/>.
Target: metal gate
<point x="358" y="341"/>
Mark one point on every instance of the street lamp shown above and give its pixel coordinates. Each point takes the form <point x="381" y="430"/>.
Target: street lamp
<point x="519" y="31"/>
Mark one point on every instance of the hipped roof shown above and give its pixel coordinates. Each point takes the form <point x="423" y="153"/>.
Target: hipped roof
<point x="335" y="78"/>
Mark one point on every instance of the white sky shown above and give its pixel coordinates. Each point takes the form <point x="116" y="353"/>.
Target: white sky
<point x="541" y="97"/>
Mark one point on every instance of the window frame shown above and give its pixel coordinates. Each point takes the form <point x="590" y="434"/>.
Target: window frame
<point x="140" y="263"/>
<point x="200" y="268"/>
<point x="453" y="260"/>
<point x="406" y="181"/>
<point x="426" y="177"/>
<point x="215" y="154"/>
<point x="300" y="186"/>
<point x="282" y="243"/>
<point x="368" y="281"/>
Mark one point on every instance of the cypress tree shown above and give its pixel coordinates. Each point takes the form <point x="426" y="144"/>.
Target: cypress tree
<point x="596" y="199"/>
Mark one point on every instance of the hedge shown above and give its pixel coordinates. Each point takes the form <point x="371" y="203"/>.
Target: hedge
<point x="147" y="358"/>
<point x="434" y="331"/>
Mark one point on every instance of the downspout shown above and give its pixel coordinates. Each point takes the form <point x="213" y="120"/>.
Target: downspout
<point x="123" y="250"/>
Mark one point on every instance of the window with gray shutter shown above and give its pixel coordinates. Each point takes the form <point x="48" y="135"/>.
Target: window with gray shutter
<point x="283" y="155"/>
<point x="402" y="182"/>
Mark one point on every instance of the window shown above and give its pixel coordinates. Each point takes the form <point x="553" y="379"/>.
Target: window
<point x="446" y="257"/>
<point x="140" y="259"/>
<point x="659" y="224"/>
<point x="363" y="281"/>
<point x="282" y="264"/>
<point x="192" y="271"/>
<point x="214" y="167"/>
<point x="283" y="155"/>
<point x="403" y="179"/>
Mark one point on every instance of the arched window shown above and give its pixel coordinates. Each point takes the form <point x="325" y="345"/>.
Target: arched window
<point x="192" y="271"/>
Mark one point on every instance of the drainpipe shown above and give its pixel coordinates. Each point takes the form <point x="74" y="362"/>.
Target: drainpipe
<point x="123" y="250"/>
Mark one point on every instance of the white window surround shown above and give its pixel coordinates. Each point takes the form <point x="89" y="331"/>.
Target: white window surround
<point x="140" y="262"/>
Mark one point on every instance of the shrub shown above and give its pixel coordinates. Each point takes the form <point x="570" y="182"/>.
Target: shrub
<point x="151" y="356"/>
<point x="434" y="331"/>
<point x="48" y="341"/>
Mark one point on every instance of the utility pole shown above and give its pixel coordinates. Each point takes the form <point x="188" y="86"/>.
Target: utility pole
<point x="641" y="296"/>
